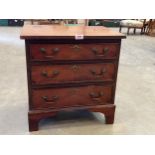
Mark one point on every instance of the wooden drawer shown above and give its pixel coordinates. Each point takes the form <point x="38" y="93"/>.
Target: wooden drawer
<point x="71" y="96"/>
<point x="52" y="74"/>
<point x="47" y="52"/>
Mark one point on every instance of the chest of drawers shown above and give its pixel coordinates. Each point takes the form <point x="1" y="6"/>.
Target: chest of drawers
<point x="70" y="68"/>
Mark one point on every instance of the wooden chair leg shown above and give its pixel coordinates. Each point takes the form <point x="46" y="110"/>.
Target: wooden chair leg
<point x="144" y="30"/>
<point x="128" y="30"/>
<point x="120" y="28"/>
<point x="134" y="31"/>
<point x="141" y="31"/>
<point x="31" y="21"/>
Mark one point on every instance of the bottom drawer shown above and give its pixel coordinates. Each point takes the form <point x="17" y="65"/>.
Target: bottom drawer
<point x="71" y="96"/>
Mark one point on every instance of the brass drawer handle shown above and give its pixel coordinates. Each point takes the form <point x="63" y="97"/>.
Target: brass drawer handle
<point x="76" y="47"/>
<point x="106" y="49"/>
<point x="96" y="96"/>
<point x="54" y="52"/>
<point x="100" y="54"/>
<point x="101" y="73"/>
<point x="52" y="100"/>
<point x="54" y="73"/>
<point x="42" y="50"/>
<point x="94" y="50"/>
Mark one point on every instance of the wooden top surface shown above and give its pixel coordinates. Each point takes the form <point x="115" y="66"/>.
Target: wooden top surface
<point x="58" y="32"/>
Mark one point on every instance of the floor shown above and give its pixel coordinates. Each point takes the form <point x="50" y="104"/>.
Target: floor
<point x="135" y="95"/>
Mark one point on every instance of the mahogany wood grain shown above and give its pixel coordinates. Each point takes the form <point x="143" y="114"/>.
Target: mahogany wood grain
<point x="74" y="51"/>
<point x="61" y="32"/>
<point x="37" y="115"/>
<point x="54" y="74"/>
<point x="70" y="97"/>
<point x="68" y="74"/>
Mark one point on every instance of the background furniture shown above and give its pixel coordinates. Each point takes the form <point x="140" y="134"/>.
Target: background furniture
<point x="46" y="21"/>
<point x="134" y="24"/>
<point x="104" y="22"/>
<point x="59" y="22"/>
<point x="111" y="22"/>
<point x="70" y="72"/>
<point x="3" y="22"/>
<point x="151" y="27"/>
<point x="15" y="22"/>
<point x="11" y="22"/>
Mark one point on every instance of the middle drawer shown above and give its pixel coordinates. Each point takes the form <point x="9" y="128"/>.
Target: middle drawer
<point x="52" y="74"/>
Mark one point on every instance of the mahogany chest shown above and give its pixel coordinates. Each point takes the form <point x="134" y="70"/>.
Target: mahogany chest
<point x="69" y="68"/>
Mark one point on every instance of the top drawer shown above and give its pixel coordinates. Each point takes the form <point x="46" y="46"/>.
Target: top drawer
<point x="47" y="52"/>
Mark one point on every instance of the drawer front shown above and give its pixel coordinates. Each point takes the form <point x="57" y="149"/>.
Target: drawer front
<point x="52" y="74"/>
<point x="47" y="52"/>
<point x="70" y="97"/>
